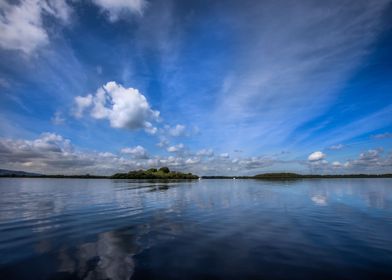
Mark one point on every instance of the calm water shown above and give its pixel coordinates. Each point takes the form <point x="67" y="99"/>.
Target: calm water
<point x="208" y="229"/>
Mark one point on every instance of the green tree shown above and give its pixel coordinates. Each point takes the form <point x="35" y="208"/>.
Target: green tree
<point x="164" y="169"/>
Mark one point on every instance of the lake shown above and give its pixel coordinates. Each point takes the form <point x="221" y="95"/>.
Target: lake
<point x="206" y="229"/>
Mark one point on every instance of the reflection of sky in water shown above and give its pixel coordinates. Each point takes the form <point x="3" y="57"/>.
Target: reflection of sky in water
<point x="98" y="229"/>
<point x="319" y="200"/>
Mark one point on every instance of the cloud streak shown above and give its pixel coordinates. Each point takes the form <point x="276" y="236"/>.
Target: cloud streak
<point x="299" y="60"/>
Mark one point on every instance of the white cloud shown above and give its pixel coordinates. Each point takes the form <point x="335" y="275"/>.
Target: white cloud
<point x="51" y="153"/>
<point x="316" y="156"/>
<point x="224" y="155"/>
<point x="46" y="143"/>
<point x="123" y="107"/>
<point x="149" y="128"/>
<point x="58" y="118"/>
<point x="137" y="152"/>
<point x="163" y="142"/>
<point x="193" y="160"/>
<point x="336" y="164"/>
<point x="175" y="148"/>
<point x="21" y="24"/>
<point x="205" y="153"/>
<point x="178" y="130"/>
<point x="336" y="147"/>
<point x="371" y="161"/>
<point x="82" y="103"/>
<point x="116" y="8"/>
<point x="57" y="8"/>
<point x="254" y="162"/>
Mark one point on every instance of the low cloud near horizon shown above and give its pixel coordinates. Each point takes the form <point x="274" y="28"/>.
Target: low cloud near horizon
<point x="51" y="153"/>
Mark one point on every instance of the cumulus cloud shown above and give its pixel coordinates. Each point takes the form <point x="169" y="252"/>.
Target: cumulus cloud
<point x="21" y="24"/>
<point x="175" y="148"/>
<point x="51" y="153"/>
<point x="82" y="103"/>
<point x="316" y="156"/>
<point x="149" y="128"/>
<point x="26" y="151"/>
<point x="137" y="152"/>
<point x="123" y="107"/>
<point x="370" y="159"/>
<point x="117" y="8"/>
<point x="370" y="155"/>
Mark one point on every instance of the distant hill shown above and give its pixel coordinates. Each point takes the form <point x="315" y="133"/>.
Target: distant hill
<point x="16" y="173"/>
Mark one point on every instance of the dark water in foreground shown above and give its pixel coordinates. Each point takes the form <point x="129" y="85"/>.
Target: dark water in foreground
<point x="208" y="229"/>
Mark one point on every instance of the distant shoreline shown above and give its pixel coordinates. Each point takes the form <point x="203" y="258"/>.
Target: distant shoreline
<point x="313" y="176"/>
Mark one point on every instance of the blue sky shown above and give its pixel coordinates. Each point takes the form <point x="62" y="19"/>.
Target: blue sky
<point x="211" y="87"/>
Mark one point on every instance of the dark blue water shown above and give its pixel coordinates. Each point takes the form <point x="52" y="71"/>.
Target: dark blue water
<point x="208" y="229"/>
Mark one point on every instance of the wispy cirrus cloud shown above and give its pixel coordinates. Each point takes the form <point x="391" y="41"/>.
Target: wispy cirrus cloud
<point x="385" y="135"/>
<point x="336" y="147"/>
<point x="299" y="60"/>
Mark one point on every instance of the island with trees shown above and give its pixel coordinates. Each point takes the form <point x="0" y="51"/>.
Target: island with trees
<point x="153" y="173"/>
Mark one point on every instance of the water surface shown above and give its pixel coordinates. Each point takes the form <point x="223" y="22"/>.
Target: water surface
<point x="207" y="229"/>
